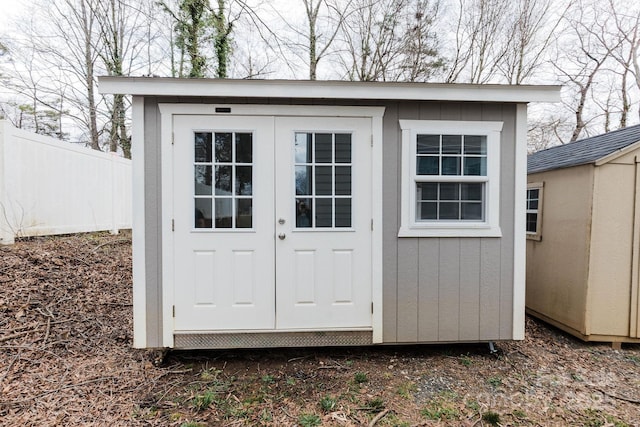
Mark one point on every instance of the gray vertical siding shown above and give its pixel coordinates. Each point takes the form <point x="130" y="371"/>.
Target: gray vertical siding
<point x="447" y="289"/>
<point x="153" y="222"/>
<point x="434" y="289"/>
<point x="390" y="222"/>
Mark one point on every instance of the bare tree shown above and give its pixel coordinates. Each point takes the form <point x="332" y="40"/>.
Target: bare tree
<point x="317" y="45"/>
<point x="529" y="35"/>
<point x="479" y="40"/>
<point x="584" y="56"/>
<point x="118" y="34"/>
<point x="627" y="25"/>
<point x="372" y="39"/>
<point x="419" y="49"/>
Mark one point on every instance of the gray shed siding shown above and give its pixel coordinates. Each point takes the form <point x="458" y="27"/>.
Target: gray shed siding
<point x="447" y="289"/>
<point x="434" y="289"/>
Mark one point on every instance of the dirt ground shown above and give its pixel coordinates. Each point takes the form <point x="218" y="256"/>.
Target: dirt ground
<point x="66" y="359"/>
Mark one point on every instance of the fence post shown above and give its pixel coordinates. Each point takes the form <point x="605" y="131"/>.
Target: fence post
<point x="7" y="235"/>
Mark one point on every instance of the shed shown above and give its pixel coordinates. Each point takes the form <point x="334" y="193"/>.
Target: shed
<point x="583" y="231"/>
<point x="308" y="213"/>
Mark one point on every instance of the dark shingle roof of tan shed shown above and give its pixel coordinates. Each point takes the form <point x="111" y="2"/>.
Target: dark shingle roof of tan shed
<point x="583" y="151"/>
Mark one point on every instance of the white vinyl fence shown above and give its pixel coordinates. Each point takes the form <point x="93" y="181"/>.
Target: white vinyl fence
<point x="49" y="187"/>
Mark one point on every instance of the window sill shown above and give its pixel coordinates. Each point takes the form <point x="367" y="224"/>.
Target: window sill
<point x="534" y="237"/>
<point x="450" y="231"/>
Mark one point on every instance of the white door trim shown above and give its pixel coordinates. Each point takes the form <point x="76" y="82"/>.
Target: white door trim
<point x="167" y="111"/>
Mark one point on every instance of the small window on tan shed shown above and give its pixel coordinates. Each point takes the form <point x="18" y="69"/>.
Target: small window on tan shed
<point x="535" y="192"/>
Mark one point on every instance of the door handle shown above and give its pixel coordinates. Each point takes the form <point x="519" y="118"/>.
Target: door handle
<point x="282" y="236"/>
<point x="281" y="221"/>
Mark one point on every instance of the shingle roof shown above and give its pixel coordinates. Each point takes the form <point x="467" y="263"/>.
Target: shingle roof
<point x="583" y="151"/>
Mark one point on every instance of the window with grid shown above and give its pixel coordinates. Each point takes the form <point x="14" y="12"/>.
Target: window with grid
<point x="223" y="180"/>
<point x="534" y="211"/>
<point x="462" y="158"/>
<point x="323" y="180"/>
<point x="452" y="181"/>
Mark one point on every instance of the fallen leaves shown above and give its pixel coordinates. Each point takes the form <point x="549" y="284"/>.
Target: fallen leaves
<point x="66" y="359"/>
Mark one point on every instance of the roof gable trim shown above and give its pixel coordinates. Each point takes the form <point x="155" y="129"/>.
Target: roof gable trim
<point x="305" y="89"/>
<point x="619" y="153"/>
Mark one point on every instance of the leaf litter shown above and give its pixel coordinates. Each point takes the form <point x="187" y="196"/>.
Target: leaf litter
<point x="66" y="358"/>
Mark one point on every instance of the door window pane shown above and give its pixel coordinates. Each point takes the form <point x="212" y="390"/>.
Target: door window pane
<point x="203" y="211"/>
<point x="343" y="212"/>
<point x="203" y="147"/>
<point x="244" y="213"/>
<point x="304" y="213"/>
<point x="223" y="147"/>
<point x="244" y="148"/>
<point x="303" y="147"/>
<point x="324" y="185"/>
<point x="202" y="180"/>
<point x="343" y="148"/>
<point x="303" y="180"/>
<point x="223" y="180"/>
<point x="224" y="212"/>
<point x="324" y="147"/>
<point x="343" y="180"/>
<point x="244" y="180"/>
<point x="324" y="214"/>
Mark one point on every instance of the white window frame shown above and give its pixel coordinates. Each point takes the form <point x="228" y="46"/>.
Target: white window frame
<point x="490" y="226"/>
<point x="537" y="235"/>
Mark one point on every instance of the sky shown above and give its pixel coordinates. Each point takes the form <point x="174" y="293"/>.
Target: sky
<point x="8" y="10"/>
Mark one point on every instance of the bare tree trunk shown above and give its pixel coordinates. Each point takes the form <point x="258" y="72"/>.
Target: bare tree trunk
<point x="87" y="28"/>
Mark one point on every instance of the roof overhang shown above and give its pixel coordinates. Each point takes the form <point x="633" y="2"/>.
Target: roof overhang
<point x="618" y="153"/>
<point x="307" y="89"/>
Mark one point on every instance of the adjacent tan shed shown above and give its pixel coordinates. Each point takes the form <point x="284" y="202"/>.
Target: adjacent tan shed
<point x="583" y="236"/>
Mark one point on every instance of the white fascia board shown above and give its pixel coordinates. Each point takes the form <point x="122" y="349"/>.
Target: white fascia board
<point x="616" y="154"/>
<point x="306" y="89"/>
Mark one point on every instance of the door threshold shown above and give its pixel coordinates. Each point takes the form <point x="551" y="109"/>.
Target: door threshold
<point x="271" y="338"/>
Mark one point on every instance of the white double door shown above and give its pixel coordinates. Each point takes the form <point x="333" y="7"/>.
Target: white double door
<point x="272" y="223"/>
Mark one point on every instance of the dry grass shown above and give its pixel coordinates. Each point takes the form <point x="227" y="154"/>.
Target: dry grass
<point x="65" y="359"/>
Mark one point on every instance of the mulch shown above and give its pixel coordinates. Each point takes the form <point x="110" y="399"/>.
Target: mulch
<point x="66" y="359"/>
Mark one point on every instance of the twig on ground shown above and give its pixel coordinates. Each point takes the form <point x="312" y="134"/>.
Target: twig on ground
<point x="378" y="417"/>
<point x="616" y="396"/>
<point x="112" y="242"/>
<point x="46" y="335"/>
<point x="16" y="335"/>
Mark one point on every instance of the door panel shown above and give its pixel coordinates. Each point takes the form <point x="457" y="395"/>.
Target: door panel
<point x="271" y="235"/>
<point x="223" y="223"/>
<point x="323" y="206"/>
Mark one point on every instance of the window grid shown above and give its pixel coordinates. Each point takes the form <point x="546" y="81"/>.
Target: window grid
<point x="223" y="171"/>
<point x="450" y="177"/>
<point x="452" y="201"/>
<point x="322" y="157"/>
<point x="533" y="199"/>
<point x="451" y="155"/>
